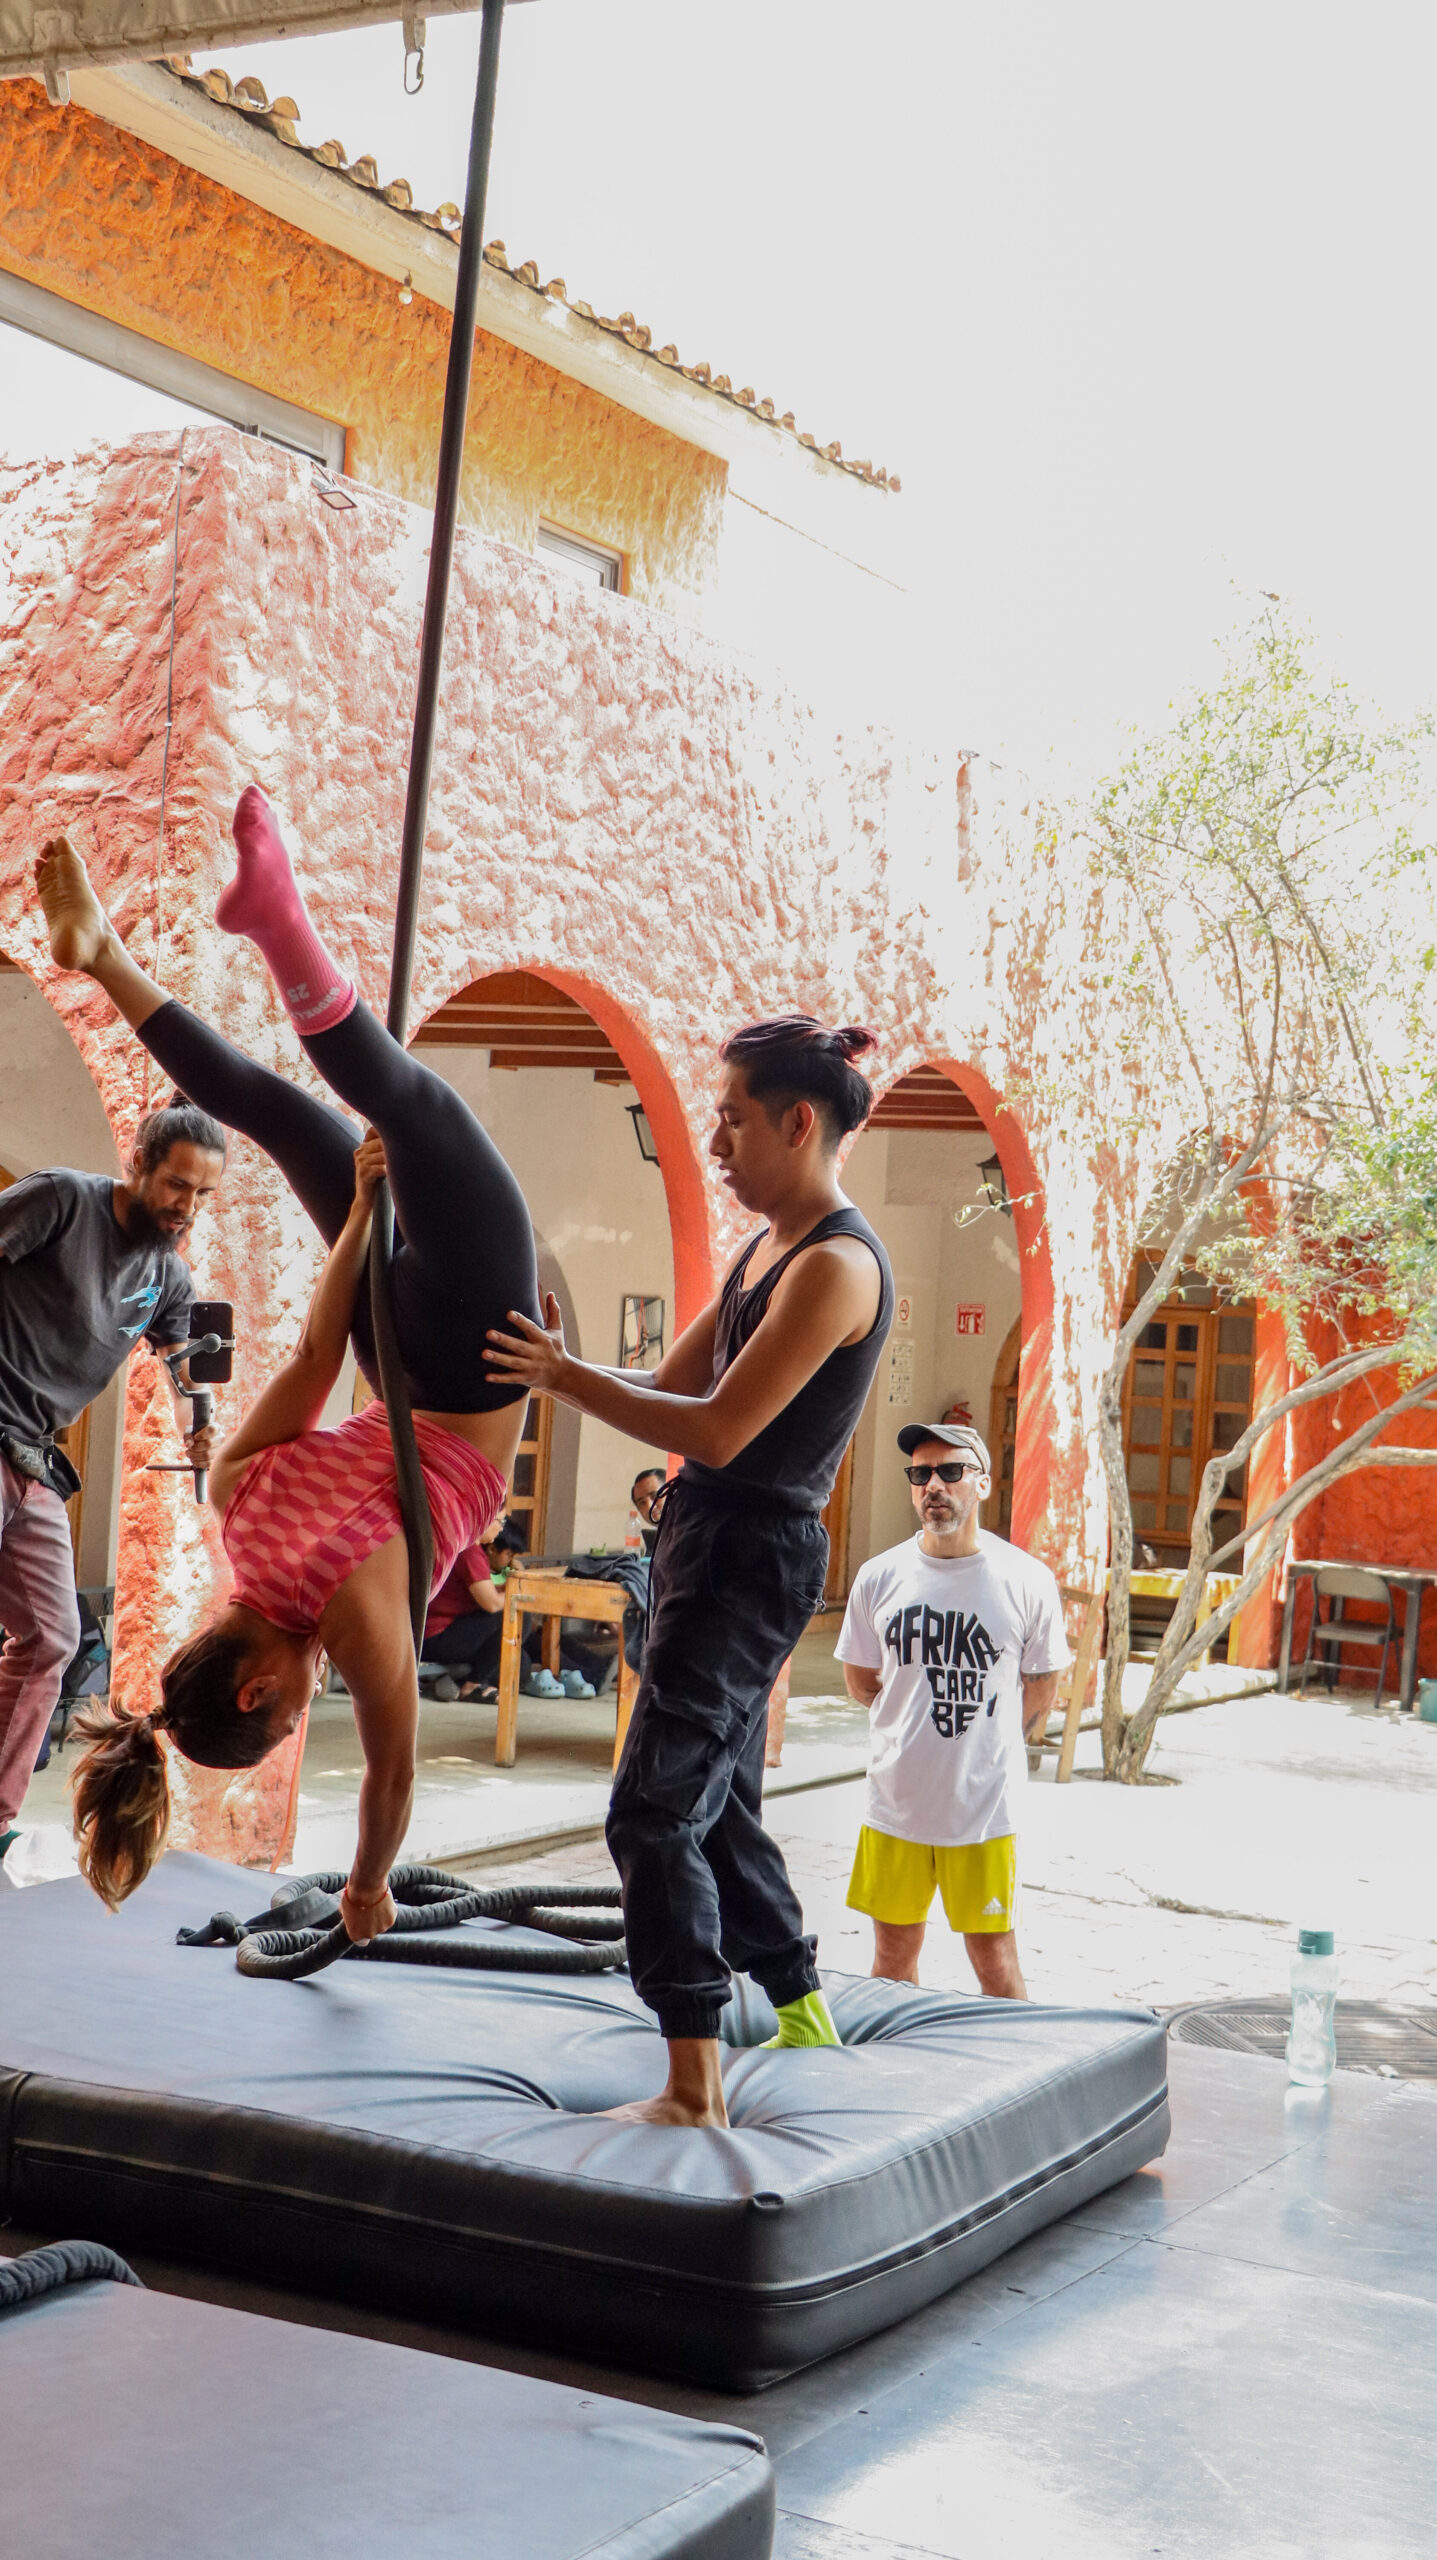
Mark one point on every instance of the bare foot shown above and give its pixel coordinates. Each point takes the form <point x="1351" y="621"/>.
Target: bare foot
<point x="78" y="926"/>
<point x="693" y="2093"/>
<point x="668" y="2110"/>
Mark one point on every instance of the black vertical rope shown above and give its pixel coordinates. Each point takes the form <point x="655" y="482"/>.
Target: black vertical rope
<point x="413" y="1498"/>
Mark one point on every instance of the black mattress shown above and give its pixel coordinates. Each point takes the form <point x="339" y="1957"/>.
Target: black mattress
<point x="428" y="2141"/>
<point x="148" y="2428"/>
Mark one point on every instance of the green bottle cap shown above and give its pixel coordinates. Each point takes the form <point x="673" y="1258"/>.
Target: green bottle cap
<point x="1314" y="1942"/>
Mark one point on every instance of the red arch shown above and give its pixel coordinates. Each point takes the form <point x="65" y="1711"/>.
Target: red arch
<point x="685" y="1191"/>
<point x="681" y="1169"/>
<point x="1034" y="1459"/>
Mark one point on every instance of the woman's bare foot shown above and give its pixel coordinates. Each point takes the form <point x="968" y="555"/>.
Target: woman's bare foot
<point x="79" y="929"/>
<point x="694" y="2095"/>
<point x="667" y="2110"/>
<point x="82" y="936"/>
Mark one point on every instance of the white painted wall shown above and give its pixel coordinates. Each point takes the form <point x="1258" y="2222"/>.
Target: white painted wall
<point x="912" y="1185"/>
<point x="599" y="1210"/>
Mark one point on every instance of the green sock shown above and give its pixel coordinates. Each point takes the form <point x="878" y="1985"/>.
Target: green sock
<point x="805" y="2021"/>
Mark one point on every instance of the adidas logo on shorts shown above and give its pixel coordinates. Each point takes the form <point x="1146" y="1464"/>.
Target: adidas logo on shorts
<point x="993" y="1910"/>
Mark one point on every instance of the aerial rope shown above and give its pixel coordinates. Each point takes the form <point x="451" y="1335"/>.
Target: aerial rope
<point x="301" y="1932"/>
<point x="413" y="1499"/>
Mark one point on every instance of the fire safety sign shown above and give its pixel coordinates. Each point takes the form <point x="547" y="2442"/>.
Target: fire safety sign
<point x="971" y="1320"/>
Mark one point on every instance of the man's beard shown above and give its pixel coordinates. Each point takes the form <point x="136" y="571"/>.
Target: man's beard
<point x="942" y="1515"/>
<point x="144" y="1228"/>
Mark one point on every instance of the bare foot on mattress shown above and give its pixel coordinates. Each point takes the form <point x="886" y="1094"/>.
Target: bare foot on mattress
<point x="694" y="2095"/>
<point x="667" y="2110"/>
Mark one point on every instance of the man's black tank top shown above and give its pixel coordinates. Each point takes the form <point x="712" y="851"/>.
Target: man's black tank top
<point x="794" y="1460"/>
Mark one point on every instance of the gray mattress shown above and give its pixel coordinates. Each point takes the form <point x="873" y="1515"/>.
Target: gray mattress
<point x="148" y="2428"/>
<point x="428" y="2141"/>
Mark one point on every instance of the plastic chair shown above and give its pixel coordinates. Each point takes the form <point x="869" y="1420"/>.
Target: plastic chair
<point x="1326" y="1637"/>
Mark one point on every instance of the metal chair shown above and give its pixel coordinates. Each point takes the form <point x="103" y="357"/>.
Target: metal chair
<point x="1326" y="1637"/>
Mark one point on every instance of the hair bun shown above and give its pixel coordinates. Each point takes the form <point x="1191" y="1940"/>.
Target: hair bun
<point x="853" y="1040"/>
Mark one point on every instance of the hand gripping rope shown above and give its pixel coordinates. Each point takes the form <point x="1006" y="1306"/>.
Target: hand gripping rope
<point x="302" y="1932"/>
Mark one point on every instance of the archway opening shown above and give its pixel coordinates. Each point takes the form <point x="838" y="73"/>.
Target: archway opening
<point x="925" y="1172"/>
<point x="563" y="1106"/>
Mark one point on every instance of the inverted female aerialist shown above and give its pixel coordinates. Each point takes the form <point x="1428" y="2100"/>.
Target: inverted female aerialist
<point x="310" y="1516"/>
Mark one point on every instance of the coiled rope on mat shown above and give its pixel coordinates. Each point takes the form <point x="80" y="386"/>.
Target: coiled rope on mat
<point x="302" y="1932"/>
<point x="65" y="2262"/>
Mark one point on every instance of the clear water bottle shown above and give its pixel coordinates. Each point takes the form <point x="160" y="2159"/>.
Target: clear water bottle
<point x="1312" y="2043"/>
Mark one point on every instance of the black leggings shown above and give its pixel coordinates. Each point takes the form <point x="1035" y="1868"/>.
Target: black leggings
<point x="464" y="1247"/>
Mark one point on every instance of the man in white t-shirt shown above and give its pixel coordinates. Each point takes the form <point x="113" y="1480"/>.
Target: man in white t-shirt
<point x="954" y="1642"/>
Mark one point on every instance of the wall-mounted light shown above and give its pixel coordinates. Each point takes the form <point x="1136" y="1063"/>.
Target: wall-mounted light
<point x="406" y="290"/>
<point x="643" y="1132"/>
<point x="328" y="490"/>
<point x="994" y="1186"/>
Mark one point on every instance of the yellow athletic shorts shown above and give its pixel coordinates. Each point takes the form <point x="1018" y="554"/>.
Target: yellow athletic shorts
<point x="894" y="1880"/>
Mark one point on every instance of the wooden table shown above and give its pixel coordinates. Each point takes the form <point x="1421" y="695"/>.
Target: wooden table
<point x="554" y="1597"/>
<point x="1411" y="1581"/>
<point x="1217" y="1588"/>
<point x="1072" y="1695"/>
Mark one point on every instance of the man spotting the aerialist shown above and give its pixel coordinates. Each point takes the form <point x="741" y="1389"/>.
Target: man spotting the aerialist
<point x="88" y="1268"/>
<point x="954" y="1642"/>
<point x="759" y="1397"/>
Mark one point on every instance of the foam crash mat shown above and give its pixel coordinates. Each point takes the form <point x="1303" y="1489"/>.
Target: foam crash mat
<point x="430" y="2141"/>
<point x="154" y="2429"/>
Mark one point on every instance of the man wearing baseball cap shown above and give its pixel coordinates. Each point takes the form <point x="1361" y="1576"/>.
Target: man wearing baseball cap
<point x="954" y="1642"/>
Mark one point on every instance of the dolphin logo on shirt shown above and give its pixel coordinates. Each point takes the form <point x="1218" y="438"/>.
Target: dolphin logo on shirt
<point x="146" y="1300"/>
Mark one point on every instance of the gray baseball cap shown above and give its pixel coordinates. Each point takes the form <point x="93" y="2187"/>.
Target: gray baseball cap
<point x="958" y="1435"/>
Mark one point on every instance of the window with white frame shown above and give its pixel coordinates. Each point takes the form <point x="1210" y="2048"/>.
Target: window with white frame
<point x="587" y="563"/>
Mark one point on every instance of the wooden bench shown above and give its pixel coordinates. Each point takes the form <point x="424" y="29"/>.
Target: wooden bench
<point x="554" y="1597"/>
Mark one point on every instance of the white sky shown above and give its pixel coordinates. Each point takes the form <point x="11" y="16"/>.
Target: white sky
<point x="1135" y="297"/>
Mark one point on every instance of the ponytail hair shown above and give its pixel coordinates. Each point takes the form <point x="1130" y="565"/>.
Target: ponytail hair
<point x="122" y="1802"/>
<point x="796" y="1059"/>
<point x="121" y="1785"/>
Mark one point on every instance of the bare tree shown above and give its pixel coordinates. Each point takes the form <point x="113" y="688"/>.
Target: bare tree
<point x="1263" y="856"/>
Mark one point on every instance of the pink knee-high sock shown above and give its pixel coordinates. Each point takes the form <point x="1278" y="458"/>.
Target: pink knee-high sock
<point x="263" y="901"/>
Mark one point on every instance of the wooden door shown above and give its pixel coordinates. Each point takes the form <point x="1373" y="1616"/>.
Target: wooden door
<point x="837" y="1512"/>
<point x="74" y="1439"/>
<point x="528" y="1502"/>
<point x="1188" y="1392"/>
<point x="997" y="1511"/>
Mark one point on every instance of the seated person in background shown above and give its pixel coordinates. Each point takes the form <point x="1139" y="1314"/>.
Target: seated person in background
<point x="465" y="1623"/>
<point x="465" y="1627"/>
<point x="643" y="1495"/>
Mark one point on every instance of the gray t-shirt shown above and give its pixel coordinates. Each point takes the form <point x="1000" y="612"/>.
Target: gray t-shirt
<point x="76" y="1294"/>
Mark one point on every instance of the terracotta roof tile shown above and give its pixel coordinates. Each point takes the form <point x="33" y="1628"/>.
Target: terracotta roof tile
<point x="280" y="116"/>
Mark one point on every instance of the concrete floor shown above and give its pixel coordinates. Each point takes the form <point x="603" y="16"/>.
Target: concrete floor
<point x="1230" y="2357"/>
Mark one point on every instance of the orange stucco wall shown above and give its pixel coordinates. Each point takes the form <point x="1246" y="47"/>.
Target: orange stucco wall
<point x="107" y="222"/>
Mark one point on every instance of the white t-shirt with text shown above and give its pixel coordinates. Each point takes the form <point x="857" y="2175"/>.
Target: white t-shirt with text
<point x="952" y="1637"/>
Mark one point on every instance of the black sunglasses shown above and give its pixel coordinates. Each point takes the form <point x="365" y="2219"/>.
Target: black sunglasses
<point x="952" y="1474"/>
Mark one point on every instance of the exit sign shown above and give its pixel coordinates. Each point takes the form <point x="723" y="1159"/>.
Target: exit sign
<point x="971" y="1320"/>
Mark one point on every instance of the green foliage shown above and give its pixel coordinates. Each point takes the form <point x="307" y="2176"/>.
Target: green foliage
<point x="1270" y="959"/>
<point x="1263" y="841"/>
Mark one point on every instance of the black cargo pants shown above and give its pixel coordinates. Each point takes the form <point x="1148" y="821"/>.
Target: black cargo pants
<point x="734" y="1583"/>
